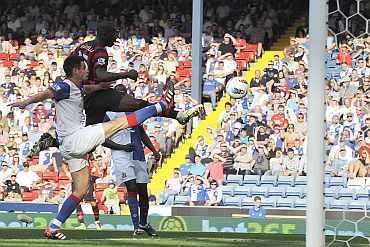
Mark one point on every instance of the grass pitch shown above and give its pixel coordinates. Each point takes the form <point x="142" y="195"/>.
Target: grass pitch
<point x="88" y="238"/>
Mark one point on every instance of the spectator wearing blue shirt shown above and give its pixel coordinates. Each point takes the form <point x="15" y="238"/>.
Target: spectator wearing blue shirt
<point x="210" y="89"/>
<point x="198" y="193"/>
<point x="197" y="168"/>
<point x="185" y="168"/>
<point x="257" y="212"/>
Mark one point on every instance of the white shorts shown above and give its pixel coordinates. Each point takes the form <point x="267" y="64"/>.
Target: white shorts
<point x="124" y="170"/>
<point x="75" y="147"/>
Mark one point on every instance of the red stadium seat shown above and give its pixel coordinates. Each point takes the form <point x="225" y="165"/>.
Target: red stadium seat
<point x="50" y="176"/>
<point x="98" y="195"/>
<point x="4" y="56"/>
<point x="63" y="176"/>
<point x="186" y="64"/>
<point x="27" y="196"/>
<point x="8" y="64"/>
<point x="35" y="194"/>
<point x="39" y="173"/>
<point x="13" y="56"/>
<point x="100" y="187"/>
<point x="103" y="207"/>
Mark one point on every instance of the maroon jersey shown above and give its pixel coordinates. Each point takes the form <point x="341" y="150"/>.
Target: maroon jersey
<point x="94" y="55"/>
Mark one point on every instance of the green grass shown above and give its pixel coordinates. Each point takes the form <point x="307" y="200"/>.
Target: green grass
<point x="32" y="237"/>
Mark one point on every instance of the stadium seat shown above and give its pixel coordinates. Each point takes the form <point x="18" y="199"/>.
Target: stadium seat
<point x="275" y="192"/>
<point x="259" y="191"/>
<point x="98" y="195"/>
<point x="4" y="56"/>
<point x="101" y="186"/>
<point x="293" y="192"/>
<point x="338" y="181"/>
<point x="284" y="203"/>
<point x="286" y="180"/>
<point x="181" y="200"/>
<point x="267" y="179"/>
<point x="13" y="56"/>
<point x="234" y="179"/>
<point x="247" y="202"/>
<point x="356" y="183"/>
<point x="251" y="179"/>
<point x="300" y="181"/>
<point x="362" y="194"/>
<point x="326" y="180"/>
<point x="242" y="190"/>
<point x="27" y="196"/>
<point x="231" y="201"/>
<point x="101" y="206"/>
<point x="300" y="203"/>
<point x="327" y="201"/>
<point x="228" y="190"/>
<point x="338" y="204"/>
<point x="346" y="193"/>
<point x="330" y="192"/>
<point x="268" y="202"/>
<point x="63" y="176"/>
<point x="367" y="183"/>
<point x="355" y="204"/>
<point x="50" y="176"/>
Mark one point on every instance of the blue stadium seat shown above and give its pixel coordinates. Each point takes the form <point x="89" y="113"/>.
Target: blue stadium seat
<point x="355" y="204"/>
<point x="251" y="179"/>
<point x="300" y="181"/>
<point x="247" y="202"/>
<point x="300" y="203"/>
<point x="267" y="179"/>
<point x="234" y="179"/>
<point x="259" y="191"/>
<point x="228" y="190"/>
<point x="326" y="180"/>
<point x="276" y="192"/>
<point x="242" y="190"/>
<point x="327" y="201"/>
<point x="356" y="183"/>
<point x="339" y="204"/>
<point x="346" y="193"/>
<point x="287" y="180"/>
<point x="294" y="192"/>
<point x="284" y="203"/>
<point x="181" y="200"/>
<point x="362" y="194"/>
<point x="338" y="181"/>
<point x="231" y="201"/>
<point x="330" y="192"/>
<point x="268" y="202"/>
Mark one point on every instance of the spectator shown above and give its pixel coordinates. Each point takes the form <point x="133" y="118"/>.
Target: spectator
<point x="214" y="194"/>
<point x="290" y="163"/>
<point x="198" y="192"/>
<point x="211" y="88"/>
<point x="276" y="164"/>
<point x="13" y="188"/>
<point x="110" y="198"/>
<point x="27" y="179"/>
<point x="173" y="188"/>
<point x="244" y="161"/>
<point x="215" y="169"/>
<point x="185" y="168"/>
<point x="197" y="169"/>
<point x="5" y="172"/>
<point x="257" y="211"/>
<point x="261" y="164"/>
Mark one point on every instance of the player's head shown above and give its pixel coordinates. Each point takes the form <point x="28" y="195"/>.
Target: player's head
<point x="106" y="33"/>
<point x="121" y="89"/>
<point x="75" y="66"/>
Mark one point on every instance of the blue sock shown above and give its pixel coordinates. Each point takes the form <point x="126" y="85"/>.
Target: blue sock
<point x="67" y="209"/>
<point x="138" y="117"/>
<point x="134" y="208"/>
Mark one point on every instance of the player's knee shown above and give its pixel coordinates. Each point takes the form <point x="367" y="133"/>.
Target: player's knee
<point x="131" y="186"/>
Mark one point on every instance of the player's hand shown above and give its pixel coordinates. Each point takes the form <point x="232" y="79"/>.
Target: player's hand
<point x="132" y="74"/>
<point x="19" y="104"/>
<point x="128" y="147"/>
<point x="157" y="156"/>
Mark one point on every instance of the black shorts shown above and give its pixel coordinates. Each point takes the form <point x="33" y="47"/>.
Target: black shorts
<point x="100" y="102"/>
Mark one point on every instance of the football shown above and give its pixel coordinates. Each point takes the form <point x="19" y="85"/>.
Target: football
<point x="236" y="88"/>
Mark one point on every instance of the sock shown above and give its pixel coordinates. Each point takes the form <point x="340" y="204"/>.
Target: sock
<point x="80" y="214"/>
<point x="67" y="209"/>
<point x="134" y="208"/>
<point x="139" y="116"/>
<point x="95" y="210"/>
<point x="144" y="209"/>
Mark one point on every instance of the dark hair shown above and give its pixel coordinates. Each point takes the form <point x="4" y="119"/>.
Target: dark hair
<point x="257" y="198"/>
<point x="105" y="27"/>
<point x="71" y="63"/>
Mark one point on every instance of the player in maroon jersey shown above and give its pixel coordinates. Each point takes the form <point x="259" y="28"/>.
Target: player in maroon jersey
<point x="102" y="101"/>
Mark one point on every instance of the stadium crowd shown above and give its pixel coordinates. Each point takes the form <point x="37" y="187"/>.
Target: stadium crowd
<point x="35" y="37"/>
<point x="265" y="133"/>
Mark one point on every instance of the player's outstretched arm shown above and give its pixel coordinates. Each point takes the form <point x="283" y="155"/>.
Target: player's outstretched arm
<point x="102" y="75"/>
<point x="148" y="143"/>
<point x="47" y="94"/>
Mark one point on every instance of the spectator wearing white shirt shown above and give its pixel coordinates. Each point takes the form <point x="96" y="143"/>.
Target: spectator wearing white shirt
<point x="142" y="90"/>
<point x="173" y="187"/>
<point x="214" y="194"/>
<point x="5" y="172"/>
<point x="27" y="179"/>
<point x="291" y="163"/>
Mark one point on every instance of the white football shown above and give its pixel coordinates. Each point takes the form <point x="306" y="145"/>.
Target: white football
<point x="236" y="88"/>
